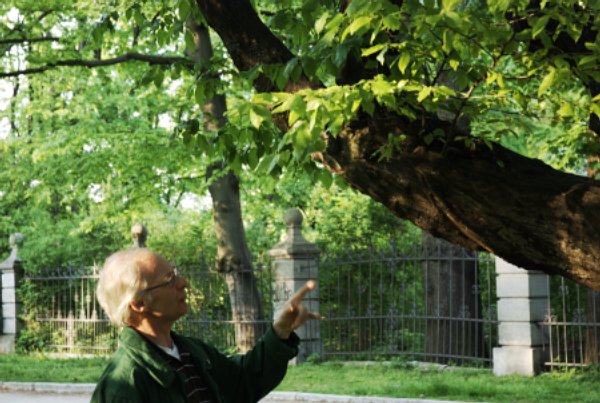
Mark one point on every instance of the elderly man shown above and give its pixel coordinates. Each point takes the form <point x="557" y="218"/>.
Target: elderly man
<point x="141" y="292"/>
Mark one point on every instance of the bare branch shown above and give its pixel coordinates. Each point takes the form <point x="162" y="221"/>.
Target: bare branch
<point x="28" y="40"/>
<point x="150" y="59"/>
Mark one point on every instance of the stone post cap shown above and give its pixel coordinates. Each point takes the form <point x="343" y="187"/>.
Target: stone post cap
<point x="139" y="234"/>
<point x="294" y="244"/>
<point x="293" y="217"/>
<point x="16" y="241"/>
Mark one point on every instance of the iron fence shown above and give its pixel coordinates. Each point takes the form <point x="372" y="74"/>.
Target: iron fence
<point x="570" y="330"/>
<point x="386" y="303"/>
<point x="435" y="304"/>
<point x="62" y="314"/>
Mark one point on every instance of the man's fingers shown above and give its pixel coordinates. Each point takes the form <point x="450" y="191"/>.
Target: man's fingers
<point x="314" y="315"/>
<point x="301" y="293"/>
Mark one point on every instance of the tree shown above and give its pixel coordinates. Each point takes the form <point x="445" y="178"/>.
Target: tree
<point x="452" y="293"/>
<point x="394" y="132"/>
<point x="234" y="260"/>
<point x="393" y="96"/>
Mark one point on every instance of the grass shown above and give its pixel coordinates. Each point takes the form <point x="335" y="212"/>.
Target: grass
<point x="40" y="368"/>
<point x="477" y="385"/>
<point x="395" y="380"/>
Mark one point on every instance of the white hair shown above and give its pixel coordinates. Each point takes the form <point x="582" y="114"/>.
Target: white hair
<point x="119" y="283"/>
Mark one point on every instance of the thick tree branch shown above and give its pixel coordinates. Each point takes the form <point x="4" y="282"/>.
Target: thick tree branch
<point x="128" y="57"/>
<point x="484" y="199"/>
<point x="249" y="42"/>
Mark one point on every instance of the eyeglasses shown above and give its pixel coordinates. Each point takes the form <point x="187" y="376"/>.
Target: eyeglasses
<point x="170" y="282"/>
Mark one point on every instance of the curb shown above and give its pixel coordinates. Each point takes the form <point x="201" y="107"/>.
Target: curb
<point x="49" y="387"/>
<point x="273" y="397"/>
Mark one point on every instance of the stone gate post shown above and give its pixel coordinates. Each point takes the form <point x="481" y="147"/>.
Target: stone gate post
<point x="295" y="261"/>
<point x="12" y="273"/>
<point x="522" y="301"/>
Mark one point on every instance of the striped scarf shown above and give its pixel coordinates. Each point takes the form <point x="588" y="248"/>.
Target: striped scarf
<point x="196" y="388"/>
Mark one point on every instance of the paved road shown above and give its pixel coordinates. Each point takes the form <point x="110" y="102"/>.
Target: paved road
<point x="13" y="392"/>
<point x="35" y="397"/>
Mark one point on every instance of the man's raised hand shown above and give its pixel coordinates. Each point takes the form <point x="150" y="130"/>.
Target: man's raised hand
<point x="294" y="314"/>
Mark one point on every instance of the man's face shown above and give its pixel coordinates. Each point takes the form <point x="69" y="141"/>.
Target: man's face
<point x="166" y="289"/>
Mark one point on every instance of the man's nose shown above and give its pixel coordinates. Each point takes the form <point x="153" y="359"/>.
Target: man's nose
<point x="181" y="282"/>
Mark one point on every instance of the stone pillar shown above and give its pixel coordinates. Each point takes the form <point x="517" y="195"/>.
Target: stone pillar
<point x="522" y="301"/>
<point x="295" y="261"/>
<point x="12" y="273"/>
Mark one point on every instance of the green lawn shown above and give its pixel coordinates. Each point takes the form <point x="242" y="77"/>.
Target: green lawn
<point x="373" y="380"/>
<point x="433" y="383"/>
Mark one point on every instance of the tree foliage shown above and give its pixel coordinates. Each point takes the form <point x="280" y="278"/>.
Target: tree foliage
<point x="415" y="103"/>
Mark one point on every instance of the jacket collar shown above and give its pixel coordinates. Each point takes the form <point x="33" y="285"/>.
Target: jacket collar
<point x="143" y="353"/>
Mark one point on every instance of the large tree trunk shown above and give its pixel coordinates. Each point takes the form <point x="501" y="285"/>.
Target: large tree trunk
<point x="452" y="302"/>
<point x="482" y="198"/>
<point x="234" y="260"/>
<point x="592" y="333"/>
<point x="235" y="263"/>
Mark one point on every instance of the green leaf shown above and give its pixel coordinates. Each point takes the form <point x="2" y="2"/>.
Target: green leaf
<point x="148" y="76"/>
<point x="380" y="87"/>
<point x="357" y="24"/>
<point x="547" y="81"/>
<point x="539" y="25"/>
<point x="403" y="61"/>
<point x="290" y="66"/>
<point x="184" y="9"/>
<point x="320" y="23"/>
<point x="373" y="49"/>
<point x="293" y="117"/>
<point x="449" y="5"/>
<point x="447" y="41"/>
<point x="595" y="108"/>
<point x="159" y="78"/>
<point x="392" y="21"/>
<point x="565" y="110"/>
<point x="424" y="93"/>
<point x="326" y="178"/>
<point x="267" y="163"/>
<point x="499" y="5"/>
<point x="587" y="61"/>
<point x="286" y="104"/>
<point x="381" y="57"/>
<point x="309" y="65"/>
<point x="255" y="118"/>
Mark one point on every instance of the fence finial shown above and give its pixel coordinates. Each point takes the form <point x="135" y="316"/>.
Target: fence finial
<point x="139" y="233"/>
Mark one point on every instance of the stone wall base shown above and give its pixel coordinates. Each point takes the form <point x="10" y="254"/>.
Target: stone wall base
<point x="517" y="360"/>
<point x="7" y="343"/>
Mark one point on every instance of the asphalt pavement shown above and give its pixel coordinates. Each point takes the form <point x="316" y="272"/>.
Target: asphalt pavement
<point x="48" y="392"/>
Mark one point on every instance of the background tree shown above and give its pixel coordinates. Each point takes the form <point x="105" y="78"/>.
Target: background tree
<point x="374" y="108"/>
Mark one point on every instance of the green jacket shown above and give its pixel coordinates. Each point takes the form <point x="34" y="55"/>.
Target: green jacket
<point x="137" y="373"/>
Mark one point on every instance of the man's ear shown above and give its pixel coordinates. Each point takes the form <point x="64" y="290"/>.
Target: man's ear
<point x="137" y="305"/>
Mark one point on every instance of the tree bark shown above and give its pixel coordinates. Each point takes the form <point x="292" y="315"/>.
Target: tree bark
<point x="453" y="303"/>
<point x="482" y="198"/>
<point x="592" y="333"/>
<point x="234" y="260"/>
<point x="235" y="263"/>
<point x="592" y="312"/>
